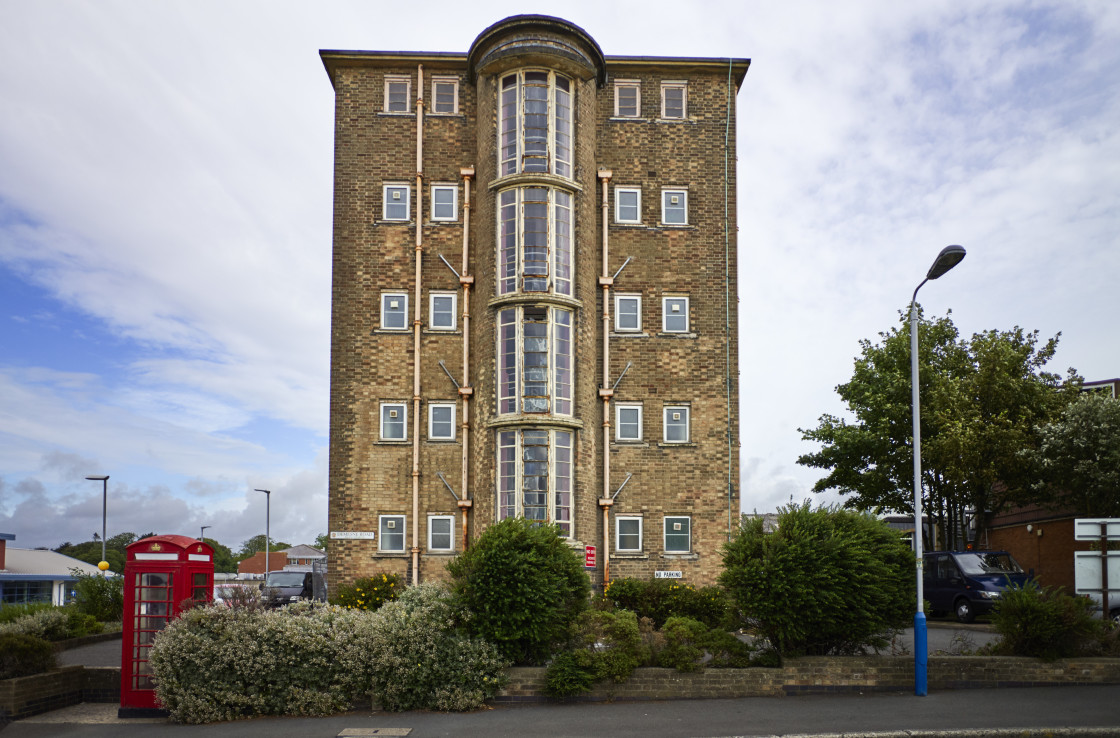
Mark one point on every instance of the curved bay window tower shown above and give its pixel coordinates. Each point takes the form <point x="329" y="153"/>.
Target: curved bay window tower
<point x="513" y="333"/>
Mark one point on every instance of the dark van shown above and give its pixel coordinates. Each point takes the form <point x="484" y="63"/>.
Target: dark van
<point x="968" y="582"/>
<point x="285" y="587"/>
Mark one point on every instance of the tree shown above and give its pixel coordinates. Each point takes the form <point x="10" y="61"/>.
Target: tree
<point x="256" y="545"/>
<point x="982" y="401"/>
<point x="90" y="551"/>
<point x="1078" y="458"/>
<point x="523" y="585"/>
<point x="322" y="542"/>
<point x="223" y="557"/>
<point x="826" y="581"/>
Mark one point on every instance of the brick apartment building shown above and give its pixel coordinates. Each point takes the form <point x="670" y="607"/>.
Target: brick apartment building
<point x="534" y="303"/>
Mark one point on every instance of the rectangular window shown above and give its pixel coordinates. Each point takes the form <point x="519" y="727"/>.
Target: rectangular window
<point x="445" y="202"/>
<point x="445" y="95"/>
<point x="627" y="98"/>
<point x="441" y="421"/>
<point x="394" y="311"/>
<point x="441" y="311"/>
<point x="678" y="534"/>
<point x="534" y="241"/>
<point x="535" y="124"/>
<point x="674" y="207"/>
<point x="535" y="360"/>
<point x="396" y="202"/>
<point x="394" y="421"/>
<point x="674" y="314"/>
<point x="535" y="476"/>
<point x="628" y="422"/>
<point x="391" y="533"/>
<point x="398" y="91"/>
<point x="440" y="536"/>
<point x="628" y="313"/>
<point x="628" y="534"/>
<point x="676" y="424"/>
<point x="627" y="205"/>
<point x="674" y="100"/>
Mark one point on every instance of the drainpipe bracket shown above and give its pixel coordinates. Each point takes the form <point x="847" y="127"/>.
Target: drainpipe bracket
<point x="466" y="391"/>
<point x="605" y="502"/>
<point x="605" y="174"/>
<point x="606" y="281"/>
<point x="466" y="279"/>
<point x="466" y="172"/>
<point x="464" y="504"/>
<point x="606" y="393"/>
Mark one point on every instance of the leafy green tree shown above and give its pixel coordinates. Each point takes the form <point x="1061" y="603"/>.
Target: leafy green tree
<point x="223" y="557"/>
<point x="982" y="400"/>
<point x="524" y="585"/>
<point x="256" y="545"/>
<point x="90" y="551"/>
<point x="99" y="596"/>
<point x="827" y="581"/>
<point x="1078" y="458"/>
<point x="322" y="542"/>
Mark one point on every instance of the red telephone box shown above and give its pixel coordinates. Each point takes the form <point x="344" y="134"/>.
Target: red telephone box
<point x="161" y="575"/>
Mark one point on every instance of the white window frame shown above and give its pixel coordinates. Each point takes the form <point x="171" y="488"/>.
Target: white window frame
<point x="401" y="407"/>
<point x="618" y="193"/>
<point x="450" y="533"/>
<point x="432" y="324"/>
<point x="681" y="85"/>
<point x="383" y="525"/>
<point x="618" y="300"/>
<point x="454" y="190"/>
<point x="618" y="533"/>
<point x="432" y="407"/>
<point x="558" y="149"/>
<point x="619" y="85"/>
<point x="512" y="468"/>
<point x="442" y="80"/>
<point x="516" y="214"/>
<point x="385" y="310"/>
<point x="674" y="192"/>
<point x="666" y="310"/>
<point x="666" y="532"/>
<point x="666" y="420"/>
<point x="512" y="376"/>
<point x="618" y="408"/>
<point x="406" y="191"/>
<point x="396" y="79"/>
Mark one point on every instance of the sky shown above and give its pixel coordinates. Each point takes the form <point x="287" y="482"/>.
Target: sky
<point x="165" y="224"/>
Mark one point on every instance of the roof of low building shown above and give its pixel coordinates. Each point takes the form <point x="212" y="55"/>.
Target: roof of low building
<point x="42" y="563"/>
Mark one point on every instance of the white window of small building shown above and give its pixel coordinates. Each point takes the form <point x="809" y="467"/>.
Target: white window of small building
<point x="396" y="205"/>
<point x="628" y="313"/>
<point x="674" y="207"/>
<point x="394" y="311"/>
<point x="627" y="205"/>
<point x="628" y="422"/>
<point x="678" y="534"/>
<point x="394" y="421"/>
<point x="441" y="421"/>
<point x="627" y="98"/>
<point x="442" y="311"/>
<point x="440" y="529"/>
<point x="445" y="95"/>
<point x="674" y="314"/>
<point x="391" y="533"/>
<point x="628" y="534"/>
<point x="445" y="202"/>
<point x="676" y="424"/>
<point x="398" y="92"/>
<point x="674" y="100"/>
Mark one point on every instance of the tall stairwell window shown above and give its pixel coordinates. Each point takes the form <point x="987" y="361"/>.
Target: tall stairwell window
<point x="534" y="360"/>
<point x="535" y="241"/>
<point x="535" y="123"/>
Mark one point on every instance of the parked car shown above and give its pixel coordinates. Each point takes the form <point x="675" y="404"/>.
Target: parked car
<point x="969" y="583"/>
<point x="284" y="587"/>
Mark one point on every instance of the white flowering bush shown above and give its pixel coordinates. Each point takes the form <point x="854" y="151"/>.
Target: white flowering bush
<point x="52" y="624"/>
<point x="217" y="663"/>
<point x="420" y="660"/>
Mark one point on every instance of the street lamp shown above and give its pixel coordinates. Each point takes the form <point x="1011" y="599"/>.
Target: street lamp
<point x="203" y="531"/>
<point x="267" y="544"/>
<point x="949" y="257"/>
<point x="104" y="479"/>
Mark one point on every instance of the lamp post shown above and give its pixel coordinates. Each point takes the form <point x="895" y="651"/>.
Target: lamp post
<point x="103" y="565"/>
<point x="267" y="544"/>
<point x="203" y="532"/>
<point x="949" y="257"/>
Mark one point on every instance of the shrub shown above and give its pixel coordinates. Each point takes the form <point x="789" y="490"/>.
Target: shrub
<point x="523" y="585"/>
<point x="827" y="581"/>
<point x="99" y="596"/>
<point x="53" y="624"/>
<point x="219" y="663"/>
<point x="369" y="593"/>
<point x="688" y="642"/>
<point x="661" y="599"/>
<point x="419" y="660"/>
<point x="1043" y="622"/>
<point x="24" y="655"/>
<point x="8" y="613"/>
<point x="604" y="646"/>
